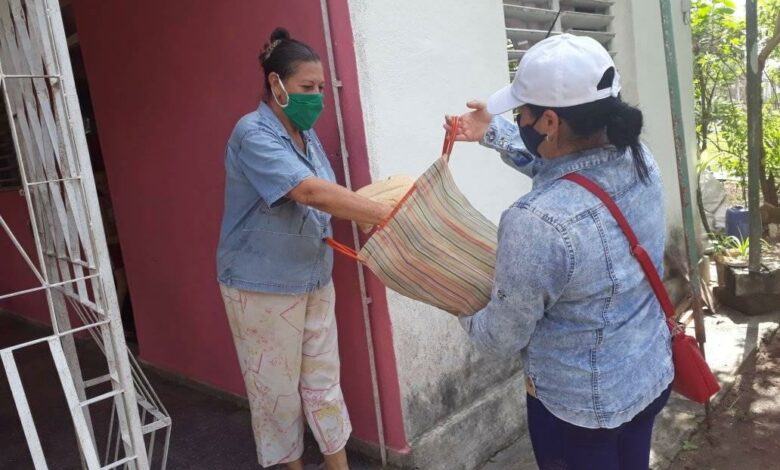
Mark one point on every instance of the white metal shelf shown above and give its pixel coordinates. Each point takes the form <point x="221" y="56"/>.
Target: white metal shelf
<point x="515" y="54"/>
<point x="530" y="35"/>
<point x="584" y="21"/>
<point x="604" y="37"/>
<point x="544" y="3"/>
<point x="603" y="4"/>
<point x="530" y="14"/>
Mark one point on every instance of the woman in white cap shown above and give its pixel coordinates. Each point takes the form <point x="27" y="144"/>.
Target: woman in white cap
<point x="569" y="298"/>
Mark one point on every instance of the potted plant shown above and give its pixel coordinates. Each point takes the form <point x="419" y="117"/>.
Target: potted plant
<point x="728" y="250"/>
<point x="752" y="293"/>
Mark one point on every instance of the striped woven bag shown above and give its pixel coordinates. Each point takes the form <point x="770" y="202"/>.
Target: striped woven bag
<point x="434" y="247"/>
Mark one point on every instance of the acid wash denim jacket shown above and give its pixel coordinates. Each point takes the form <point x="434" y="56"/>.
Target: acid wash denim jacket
<point x="568" y="298"/>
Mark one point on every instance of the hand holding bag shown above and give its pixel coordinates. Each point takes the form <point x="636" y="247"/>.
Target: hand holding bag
<point x="693" y="378"/>
<point x="434" y="247"/>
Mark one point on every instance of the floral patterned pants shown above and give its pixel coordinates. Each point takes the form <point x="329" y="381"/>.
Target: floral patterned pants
<point x="288" y="349"/>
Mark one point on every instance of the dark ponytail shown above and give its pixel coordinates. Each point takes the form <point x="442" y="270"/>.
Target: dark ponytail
<point x="623" y="130"/>
<point x="622" y="123"/>
<point x="282" y="55"/>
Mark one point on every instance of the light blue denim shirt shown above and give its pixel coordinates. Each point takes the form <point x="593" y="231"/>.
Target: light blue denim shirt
<point x="569" y="299"/>
<point x="269" y="243"/>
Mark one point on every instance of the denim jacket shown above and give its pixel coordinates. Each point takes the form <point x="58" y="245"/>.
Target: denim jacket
<point x="569" y="299"/>
<point x="269" y="243"/>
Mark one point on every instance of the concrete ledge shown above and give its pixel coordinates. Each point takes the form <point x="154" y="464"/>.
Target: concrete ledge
<point x="750" y="293"/>
<point x="470" y="436"/>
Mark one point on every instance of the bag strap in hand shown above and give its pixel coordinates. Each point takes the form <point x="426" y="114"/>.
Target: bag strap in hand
<point x="449" y="138"/>
<point x="449" y="143"/>
<point x="636" y="249"/>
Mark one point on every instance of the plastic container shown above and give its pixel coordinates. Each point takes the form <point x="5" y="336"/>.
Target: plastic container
<point x="738" y="222"/>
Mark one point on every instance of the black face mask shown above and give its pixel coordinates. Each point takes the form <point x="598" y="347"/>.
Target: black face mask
<point x="531" y="137"/>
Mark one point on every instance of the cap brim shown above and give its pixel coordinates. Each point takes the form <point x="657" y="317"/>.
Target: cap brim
<point x="502" y="101"/>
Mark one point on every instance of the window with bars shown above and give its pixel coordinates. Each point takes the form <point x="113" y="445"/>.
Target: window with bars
<point x="527" y="22"/>
<point x="9" y="169"/>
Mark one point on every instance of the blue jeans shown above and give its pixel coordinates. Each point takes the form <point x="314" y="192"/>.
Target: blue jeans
<point x="559" y="445"/>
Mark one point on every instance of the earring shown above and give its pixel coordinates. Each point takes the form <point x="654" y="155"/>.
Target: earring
<point x="547" y="137"/>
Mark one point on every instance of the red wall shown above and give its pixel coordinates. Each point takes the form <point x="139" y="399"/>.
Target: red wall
<point x="168" y="81"/>
<point x="15" y="274"/>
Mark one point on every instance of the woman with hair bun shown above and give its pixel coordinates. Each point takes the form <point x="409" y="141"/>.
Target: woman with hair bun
<point x="273" y="267"/>
<point x="569" y="298"/>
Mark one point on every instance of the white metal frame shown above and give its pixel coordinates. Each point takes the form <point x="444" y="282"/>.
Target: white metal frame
<point x="73" y="268"/>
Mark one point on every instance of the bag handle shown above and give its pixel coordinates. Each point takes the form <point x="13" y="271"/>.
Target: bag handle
<point x="449" y="143"/>
<point x="342" y="248"/>
<point x="636" y="249"/>
<point x="449" y="138"/>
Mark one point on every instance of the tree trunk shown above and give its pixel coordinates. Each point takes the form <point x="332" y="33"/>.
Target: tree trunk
<point x="755" y="142"/>
<point x="768" y="185"/>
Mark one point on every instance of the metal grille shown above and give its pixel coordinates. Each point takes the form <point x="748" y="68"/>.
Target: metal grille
<point x="527" y="22"/>
<point x="70" y="264"/>
<point x="9" y="170"/>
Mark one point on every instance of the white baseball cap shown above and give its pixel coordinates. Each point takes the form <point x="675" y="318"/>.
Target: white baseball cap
<point x="558" y="72"/>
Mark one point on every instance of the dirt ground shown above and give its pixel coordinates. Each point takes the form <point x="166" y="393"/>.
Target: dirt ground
<point x="745" y="432"/>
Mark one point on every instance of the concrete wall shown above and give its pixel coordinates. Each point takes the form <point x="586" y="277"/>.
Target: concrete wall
<point x="416" y="62"/>
<point x="641" y="60"/>
<point x="642" y="64"/>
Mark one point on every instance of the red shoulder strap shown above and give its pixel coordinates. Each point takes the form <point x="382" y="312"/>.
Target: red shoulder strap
<point x="636" y="249"/>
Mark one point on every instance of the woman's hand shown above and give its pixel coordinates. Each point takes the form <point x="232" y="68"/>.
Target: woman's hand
<point x="339" y="201"/>
<point x="471" y="126"/>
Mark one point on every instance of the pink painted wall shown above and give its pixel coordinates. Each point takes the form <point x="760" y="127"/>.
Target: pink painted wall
<point x="168" y="81"/>
<point x="345" y="271"/>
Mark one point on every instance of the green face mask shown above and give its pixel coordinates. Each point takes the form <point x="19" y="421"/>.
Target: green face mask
<point x="302" y="109"/>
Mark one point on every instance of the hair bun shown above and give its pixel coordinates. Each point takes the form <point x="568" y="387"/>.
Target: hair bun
<point x="625" y="125"/>
<point x="279" y="34"/>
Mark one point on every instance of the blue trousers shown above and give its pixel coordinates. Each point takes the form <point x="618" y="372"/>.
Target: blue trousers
<point x="559" y="445"/>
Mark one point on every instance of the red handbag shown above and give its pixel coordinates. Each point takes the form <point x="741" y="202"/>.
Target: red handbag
<point x="693" y="378"/>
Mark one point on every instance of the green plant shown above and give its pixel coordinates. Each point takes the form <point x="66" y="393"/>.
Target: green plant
<point x="720" y="244"/>
<point x="729" y="140"/>
<point x="704" y="163"/>
<point x="719" y="74"/>
<point x="719" y="51"/>
<point x="733" y="247"/>
<point x="728" y="143"/>
<point x="742" y="247"/>
<point x="768" y="51"/>
<point x="772" y="139"/>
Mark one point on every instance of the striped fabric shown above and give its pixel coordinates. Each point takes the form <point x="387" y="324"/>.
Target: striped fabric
<point x="436" y="247"/>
